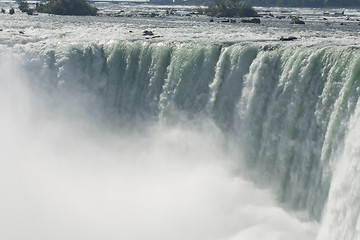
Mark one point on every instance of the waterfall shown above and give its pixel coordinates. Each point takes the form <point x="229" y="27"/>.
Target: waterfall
<point x="290" y="114"/>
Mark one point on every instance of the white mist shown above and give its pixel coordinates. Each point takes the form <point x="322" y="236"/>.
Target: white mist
<point x="66" y="175"/>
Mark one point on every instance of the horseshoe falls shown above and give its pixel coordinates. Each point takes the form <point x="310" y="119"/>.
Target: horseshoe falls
<point x="198" y="134"/>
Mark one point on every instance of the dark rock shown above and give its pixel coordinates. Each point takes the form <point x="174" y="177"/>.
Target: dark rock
<point x="296" y="20"/>
<point x="291" y="38"/>
<point x="21" y="32"/>
<point x="339" y="14"/>
<point x="148" y="33"/>
<point x="154" y="14"/>
<point x="269" y="47"/>
<point x="225" y="20"/>
<point x="254" y="20"/>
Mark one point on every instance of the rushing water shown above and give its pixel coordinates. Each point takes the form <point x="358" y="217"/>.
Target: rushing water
<point x="208" y="131"/>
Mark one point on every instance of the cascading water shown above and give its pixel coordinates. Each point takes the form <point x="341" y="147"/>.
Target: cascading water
<point x="288" y="117"/>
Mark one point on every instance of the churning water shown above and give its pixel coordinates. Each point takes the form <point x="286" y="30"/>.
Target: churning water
<point x="210" y="131"/>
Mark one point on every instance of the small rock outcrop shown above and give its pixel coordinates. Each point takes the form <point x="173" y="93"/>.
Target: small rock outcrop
<point x="290" y="38"/>
<point x="296" y="20"/>
<point x="254" y="20"/>
<point x="148" y="33"/>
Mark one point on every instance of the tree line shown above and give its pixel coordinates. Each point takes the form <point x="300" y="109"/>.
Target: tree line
<point x="60" y="7"/>
<point x="230" y="8"/>
<point x="280" y="3"/>
<point x="306" y="3"/>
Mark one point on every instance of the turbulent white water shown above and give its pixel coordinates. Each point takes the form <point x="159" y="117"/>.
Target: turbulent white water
<point x="108" y="135"/>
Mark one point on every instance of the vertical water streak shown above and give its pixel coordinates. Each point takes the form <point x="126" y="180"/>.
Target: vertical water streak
<point x="226" y="88"/>
<point x="342" y="213"/>
<point x="279" y="128"/>
<point x="189" y="73"/>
